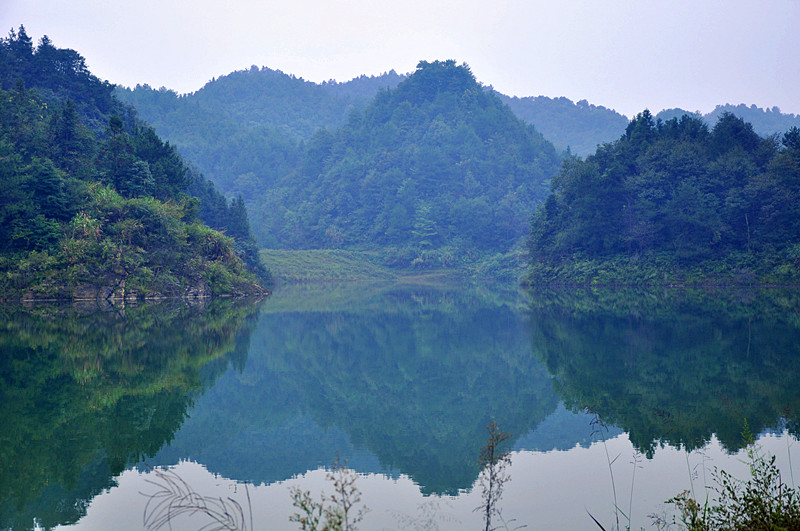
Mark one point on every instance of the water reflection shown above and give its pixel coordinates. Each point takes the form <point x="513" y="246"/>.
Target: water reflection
<point x="677" y="366"/>
<point x="404" y="381"/>
<point x="399" y="380"/>
<point x="85" y="395"/>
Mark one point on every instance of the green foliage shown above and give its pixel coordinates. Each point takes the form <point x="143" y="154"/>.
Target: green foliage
<point x="766" y="122"/>
<point x="60" y="75"/>
<point x="763" y="502"/>
<point x="133" y="235"/>
<point x="437" y="169"/>
<point x="669" y="203"/>
<point x="580" y="126"/>
<point x="242" y="130"/>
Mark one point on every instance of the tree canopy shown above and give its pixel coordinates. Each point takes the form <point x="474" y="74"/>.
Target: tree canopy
<point x="437" y="169"/>
<point x="103" y="207"/>
<point x="675" y="189"/>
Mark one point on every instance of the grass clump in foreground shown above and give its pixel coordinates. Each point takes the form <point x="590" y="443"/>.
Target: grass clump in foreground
<point x="761" y="503"/>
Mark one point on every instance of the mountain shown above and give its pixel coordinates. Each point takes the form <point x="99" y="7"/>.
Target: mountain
<point x="581" y="126"/>
<point x="765" y="122"/>
<point x="98" y="211"/>
<point x="243" y="129"/>
<point x="674" y="202"/>
<point x="436" y="171"/>
<point x="432" y="164"/>
<point x="258" y="99"/>
<point x="578" y="126"/>
<point x="249" y="122"/>
<point x="291" y="105"/>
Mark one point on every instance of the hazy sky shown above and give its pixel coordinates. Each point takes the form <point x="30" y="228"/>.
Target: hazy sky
<point x="626" y="55"/>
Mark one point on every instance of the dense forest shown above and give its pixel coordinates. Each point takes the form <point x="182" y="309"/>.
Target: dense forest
<point x="765" y="122"/>
<point x="674" y="202"/>
<point x="581" y="127"/>
<point x="431" y="167"/>
<point x="257" y="133"/>
<point x="94" y="203"/>
<point x="243" y="129"/>
<point x="237" y="122"/>
<point x="436" y="171"/>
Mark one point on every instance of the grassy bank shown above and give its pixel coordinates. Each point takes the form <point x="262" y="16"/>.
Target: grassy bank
<point x="328" y="265"/>
<point x="325" y="265"/>
<point x="664" y="269"/>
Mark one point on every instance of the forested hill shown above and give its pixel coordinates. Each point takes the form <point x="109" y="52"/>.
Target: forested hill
<point x="295" y="107"/>
<point x="675" y="202"/>
<point x="765" y="122"/>
<point x="437" y="170"/>
<point x="242" y="129"/>
<point x="91" y="210"/>
<point x="578" y="126"/>
<point x="581" y="126"/>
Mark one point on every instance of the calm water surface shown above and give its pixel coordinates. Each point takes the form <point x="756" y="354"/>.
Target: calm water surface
<point x="623" y="398"/>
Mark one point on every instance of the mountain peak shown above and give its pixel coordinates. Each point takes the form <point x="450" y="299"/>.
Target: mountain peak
<point x="434" y="78"/>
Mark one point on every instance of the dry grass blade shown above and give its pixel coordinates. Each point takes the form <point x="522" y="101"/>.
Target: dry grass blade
<point x="176" y="497"/>
<point x="595" y="521"/>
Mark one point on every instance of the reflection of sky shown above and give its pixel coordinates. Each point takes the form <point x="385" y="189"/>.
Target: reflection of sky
<point x="547" y="490"/>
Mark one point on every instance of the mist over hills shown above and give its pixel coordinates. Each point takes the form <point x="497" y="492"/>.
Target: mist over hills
<point x="259" y="98"/>
<point x="432" y="164"/>
<point x="765" y="122"/>
<point x="433" y="168"/>
<point x="326" y="165"/>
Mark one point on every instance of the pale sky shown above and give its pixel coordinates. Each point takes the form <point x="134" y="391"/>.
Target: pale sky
<point x="625" y="55"/>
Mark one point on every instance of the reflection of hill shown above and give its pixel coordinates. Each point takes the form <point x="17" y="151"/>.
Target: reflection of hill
<point x="83" y="396"/>
<point x="410" y="375"/>
<point x="564" y="430"/>
<point x="677" y="366"/>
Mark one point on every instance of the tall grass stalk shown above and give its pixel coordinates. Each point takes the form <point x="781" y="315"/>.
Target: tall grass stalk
<point x="689" y="470"/>
<point x="789" y="453"/>
<point x="599" y="428"/>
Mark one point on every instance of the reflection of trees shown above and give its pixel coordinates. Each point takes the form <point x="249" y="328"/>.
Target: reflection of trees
<point x="84" y="396"/>
<point x="676" y="367"/>
<point x="412" y="376"/>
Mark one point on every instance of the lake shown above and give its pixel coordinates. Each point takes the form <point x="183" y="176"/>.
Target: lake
<point x="112" y="417"/>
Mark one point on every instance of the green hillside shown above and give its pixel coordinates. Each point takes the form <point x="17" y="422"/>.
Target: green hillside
<point x="675" y="202"/>
<point x="765" y="122"/>
<point x="578" y="126"/>
<point x="243" y="129"/>
<point x="90" y="212"/>
<point x="437" y="172"/>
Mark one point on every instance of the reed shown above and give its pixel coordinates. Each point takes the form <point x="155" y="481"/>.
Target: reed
<point x="175" y="498"/>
